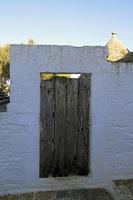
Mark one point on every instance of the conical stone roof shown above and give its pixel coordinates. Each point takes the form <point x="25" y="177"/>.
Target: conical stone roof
<point x="116" y="50"/>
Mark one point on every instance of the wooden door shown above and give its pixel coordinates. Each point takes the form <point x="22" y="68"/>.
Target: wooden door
<point x="64" y="122"/>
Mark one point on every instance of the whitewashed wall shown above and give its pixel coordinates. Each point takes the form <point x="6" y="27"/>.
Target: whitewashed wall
<point x="111" y="111"/>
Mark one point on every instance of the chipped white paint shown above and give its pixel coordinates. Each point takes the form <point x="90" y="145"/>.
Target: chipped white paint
<point x="111" y="111"/>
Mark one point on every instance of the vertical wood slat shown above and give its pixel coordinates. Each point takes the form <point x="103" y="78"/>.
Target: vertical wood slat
<point x="60" y="126"/>
<point x="83" y="127"/>
<point x="71" y="127"/>
<point x="47" y="127"/>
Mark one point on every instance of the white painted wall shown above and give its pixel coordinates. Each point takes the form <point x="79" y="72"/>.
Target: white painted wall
<point x="111" y="111"/>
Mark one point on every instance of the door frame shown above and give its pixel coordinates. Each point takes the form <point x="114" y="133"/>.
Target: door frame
<point x="90" y="117"/>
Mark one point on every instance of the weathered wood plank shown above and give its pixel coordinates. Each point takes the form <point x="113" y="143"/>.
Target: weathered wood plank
<point x="70" y="157"/>
<point x="60" y="126"/>
<point x="47" y="127"/>
<point x="83" y="126"/>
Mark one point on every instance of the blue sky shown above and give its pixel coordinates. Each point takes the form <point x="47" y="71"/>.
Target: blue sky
<point x="71" y="22"/>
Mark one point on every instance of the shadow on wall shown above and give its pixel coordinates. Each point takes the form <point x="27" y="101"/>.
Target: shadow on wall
<point x="117" y="52"/>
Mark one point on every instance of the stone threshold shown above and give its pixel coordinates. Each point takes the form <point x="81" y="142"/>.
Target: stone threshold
<point x="57" y="188"/>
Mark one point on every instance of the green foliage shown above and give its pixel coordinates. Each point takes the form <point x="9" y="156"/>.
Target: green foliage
<point x="5" y="88"/>
<point x="31" y="41"/>
<point x="45" y="76"/>
<point x="4" y="63"/>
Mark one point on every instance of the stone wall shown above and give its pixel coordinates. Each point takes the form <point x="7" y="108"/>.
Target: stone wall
<point x="111" y="111"/>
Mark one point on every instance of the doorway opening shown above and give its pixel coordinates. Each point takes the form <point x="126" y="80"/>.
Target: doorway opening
<point x="64" y="124"/>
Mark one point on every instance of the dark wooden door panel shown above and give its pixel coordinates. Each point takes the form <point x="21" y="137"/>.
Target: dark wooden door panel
<point x="64" y="138"/>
